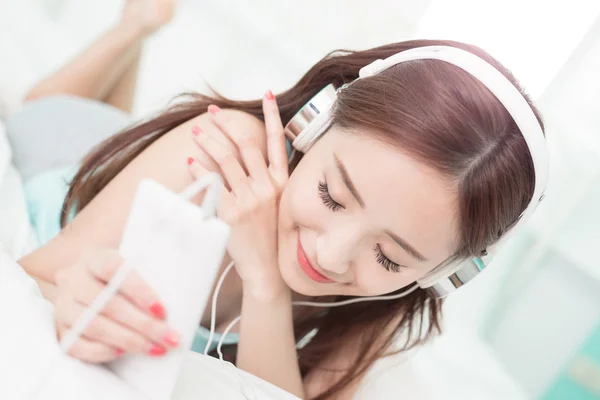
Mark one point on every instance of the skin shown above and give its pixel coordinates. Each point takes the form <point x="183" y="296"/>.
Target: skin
<point x="107" y="69"/>
<point x="401" y="195"/>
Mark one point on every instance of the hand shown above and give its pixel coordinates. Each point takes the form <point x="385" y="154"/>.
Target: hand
<point x="250" y="202"/>
<point x="147" y="16"/>
<point x="131" y="321"/>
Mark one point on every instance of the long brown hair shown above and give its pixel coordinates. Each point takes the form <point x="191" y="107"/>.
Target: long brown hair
<point x="433" y="110"/>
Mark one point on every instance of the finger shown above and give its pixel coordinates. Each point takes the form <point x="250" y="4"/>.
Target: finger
<point x="220" y="137"/>
<point x="104" y="265"/>
<point x="246" y="145"/>
<point x="108" y="332"/>
<point x="128" y="315"/>
<point x="276" y="148"/>
<point x="90" y="351"/>
<point x="230" y="167"/>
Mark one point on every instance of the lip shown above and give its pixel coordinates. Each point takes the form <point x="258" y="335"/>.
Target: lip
<point x="308" y="269"/>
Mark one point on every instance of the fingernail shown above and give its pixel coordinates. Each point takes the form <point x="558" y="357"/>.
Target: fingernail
<point x="119" y="352"/>
<point x="190" y="160"/>
<point x="213" y="109"/>
<point x="269" y="95"/>
<point x="157" y="310"/>
<point x="171" y="339"/>
<point x="157" y="350"/>
<point x="196" y="130"/>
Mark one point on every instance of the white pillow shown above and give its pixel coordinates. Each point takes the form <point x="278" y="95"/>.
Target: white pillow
<point x="29" y="354"/>
<point x="29" y="350"/>
<point x="15" y="230"/>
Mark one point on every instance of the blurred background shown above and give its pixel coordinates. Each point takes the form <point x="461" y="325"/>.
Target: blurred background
<point x="530" y="326"/>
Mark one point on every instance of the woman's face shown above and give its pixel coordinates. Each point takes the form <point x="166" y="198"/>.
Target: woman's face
<point x="360" y="218"/>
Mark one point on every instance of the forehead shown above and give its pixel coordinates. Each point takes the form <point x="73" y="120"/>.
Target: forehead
<point x="400" y="193"/>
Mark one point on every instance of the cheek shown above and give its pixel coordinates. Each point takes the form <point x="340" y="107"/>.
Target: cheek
<point x="373" y="280"/>
<point x="300" y="204"/>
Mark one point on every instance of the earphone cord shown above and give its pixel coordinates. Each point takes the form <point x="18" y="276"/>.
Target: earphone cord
<point x="213" y="310"/>
<point x="213" y="313"/>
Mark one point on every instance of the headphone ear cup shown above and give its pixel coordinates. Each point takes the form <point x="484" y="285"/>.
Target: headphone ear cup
<point x="313" y="131"/>
<point x="312" y="120"/>
<point x="451" y="276"/>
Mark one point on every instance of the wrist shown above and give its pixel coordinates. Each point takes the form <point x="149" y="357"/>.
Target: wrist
<point x="266" y="291"/>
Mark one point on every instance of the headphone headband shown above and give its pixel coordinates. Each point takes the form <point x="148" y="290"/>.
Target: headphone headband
<point x="451" y="276"/>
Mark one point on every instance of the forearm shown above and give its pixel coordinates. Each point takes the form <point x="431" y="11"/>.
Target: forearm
<point x="93" y="72"/>
<point x="267" y="347"/>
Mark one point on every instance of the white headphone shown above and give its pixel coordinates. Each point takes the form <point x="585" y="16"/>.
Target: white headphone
<point x="314" y="118"/>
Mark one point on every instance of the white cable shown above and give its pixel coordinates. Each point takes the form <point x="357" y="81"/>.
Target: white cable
<point x="94" y="309"/>
<point x="356" y="300"/>
<point x="246" y="388"/>
<point x="295" y="303"/>
<point x="213" y="183"/>
<point x="225" y="332"/>
<point x="213" y="310"/>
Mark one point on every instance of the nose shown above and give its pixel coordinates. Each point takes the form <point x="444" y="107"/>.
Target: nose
<point x="335" y="250"/>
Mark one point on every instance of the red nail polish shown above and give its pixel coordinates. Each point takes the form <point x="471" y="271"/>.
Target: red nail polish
<point x="269" y="95"/>
<point x="196" y="130"/>
<point x="157" y="350"/>
<point x="157" y="310"/>
<point x="119" y="352"/>
<point x="190" y="160"/>
<point x="213" y="109"/>
<point x="171" y="339"/>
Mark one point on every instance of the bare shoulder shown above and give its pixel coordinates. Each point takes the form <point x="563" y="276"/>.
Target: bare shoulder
<point x="235" y="119"/>
<point x="101" y="222"/>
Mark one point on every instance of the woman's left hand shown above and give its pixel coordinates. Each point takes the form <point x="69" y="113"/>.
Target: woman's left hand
<point x="250" y="203"/>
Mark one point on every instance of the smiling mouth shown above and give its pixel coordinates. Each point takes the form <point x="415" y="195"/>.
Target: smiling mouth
<point x="308" y="269"/>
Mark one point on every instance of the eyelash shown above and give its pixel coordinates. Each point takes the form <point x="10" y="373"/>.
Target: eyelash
<point x="326" y="197"/>
<point x="335" y="206"/>
<point x="384" y="261"/>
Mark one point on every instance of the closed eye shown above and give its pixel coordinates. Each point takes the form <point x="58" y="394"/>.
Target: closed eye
<point x="386" y="262"/>
<point x="326" y="197"/>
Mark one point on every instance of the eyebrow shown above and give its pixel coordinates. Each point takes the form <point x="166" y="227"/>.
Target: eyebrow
<point x="404" y="244"/>
<point x="348" y="181"/>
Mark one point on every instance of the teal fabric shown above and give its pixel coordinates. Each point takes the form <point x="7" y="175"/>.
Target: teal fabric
<point x="201" y="339"/>
<point x="45" y="193"/>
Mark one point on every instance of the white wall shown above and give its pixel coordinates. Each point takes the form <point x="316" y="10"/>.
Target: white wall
<point x="552" y="300"/>
<point x="544" y="325"/>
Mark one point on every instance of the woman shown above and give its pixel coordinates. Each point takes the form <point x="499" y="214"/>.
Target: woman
<point x="420" y="165"/>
